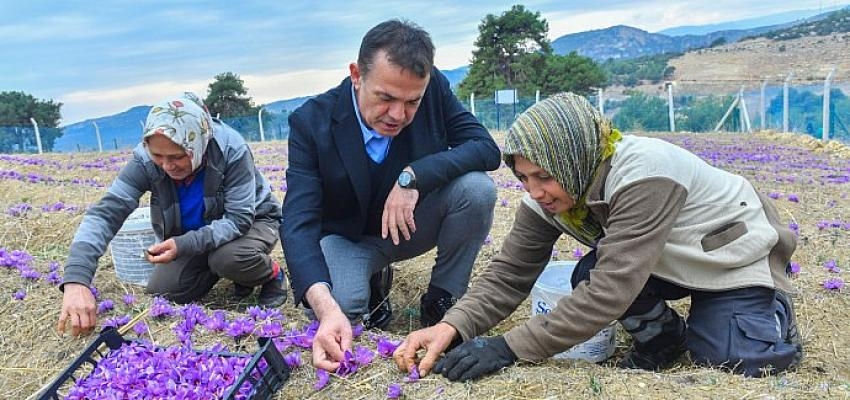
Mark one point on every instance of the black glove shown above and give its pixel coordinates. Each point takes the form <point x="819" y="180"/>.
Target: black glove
<point x="475" y="358"/>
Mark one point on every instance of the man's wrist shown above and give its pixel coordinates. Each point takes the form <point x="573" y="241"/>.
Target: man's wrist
<point x="321" y="300"/>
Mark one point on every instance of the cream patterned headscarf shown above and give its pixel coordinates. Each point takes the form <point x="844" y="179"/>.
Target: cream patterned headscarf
<point x="185" y="121"/>
<point x="567" y="137"/>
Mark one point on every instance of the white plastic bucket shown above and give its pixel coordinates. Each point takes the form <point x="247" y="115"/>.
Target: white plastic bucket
<point x="135" y="235"/>
<point x="551" y="286"/>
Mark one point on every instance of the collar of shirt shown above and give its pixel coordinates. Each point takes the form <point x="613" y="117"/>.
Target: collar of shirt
<point x="377" y="149"/>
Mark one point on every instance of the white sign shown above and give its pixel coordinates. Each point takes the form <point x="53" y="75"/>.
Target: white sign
<point x="507" y="96"/>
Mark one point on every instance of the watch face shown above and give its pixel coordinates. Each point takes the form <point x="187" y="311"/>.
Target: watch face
<point x="404" y="179"/>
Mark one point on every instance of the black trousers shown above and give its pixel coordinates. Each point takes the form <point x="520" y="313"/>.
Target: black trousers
<point x="740" y="329"/>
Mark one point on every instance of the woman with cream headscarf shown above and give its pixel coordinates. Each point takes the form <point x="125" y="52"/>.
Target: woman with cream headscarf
<point x="212" y="210"/>
<point x="662" y="224"/>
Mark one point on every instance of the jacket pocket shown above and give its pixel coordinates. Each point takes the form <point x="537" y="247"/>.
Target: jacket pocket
<point x="724" y="235"/>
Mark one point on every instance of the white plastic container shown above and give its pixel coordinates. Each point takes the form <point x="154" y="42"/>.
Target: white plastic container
<point x="551" y="286"/>
<point x="135" y="235"/>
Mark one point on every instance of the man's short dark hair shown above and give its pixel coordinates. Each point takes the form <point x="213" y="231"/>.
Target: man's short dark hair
<point x="405" y="43"/>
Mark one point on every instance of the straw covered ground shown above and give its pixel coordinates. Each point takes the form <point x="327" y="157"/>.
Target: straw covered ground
<point x="43" y="199"/>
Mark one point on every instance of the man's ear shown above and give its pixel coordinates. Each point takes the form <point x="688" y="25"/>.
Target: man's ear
<point x="355" y="75"/>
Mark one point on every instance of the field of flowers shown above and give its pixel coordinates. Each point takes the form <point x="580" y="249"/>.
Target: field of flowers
<point x="43" y="199"/>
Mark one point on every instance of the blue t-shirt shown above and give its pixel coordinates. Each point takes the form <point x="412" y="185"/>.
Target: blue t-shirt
<point x="191" y="197"/>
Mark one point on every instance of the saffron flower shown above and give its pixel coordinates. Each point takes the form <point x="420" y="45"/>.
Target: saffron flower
<point x="105" y="306"/>
<point x="831" y="266"/>
<point x="53" y="278"/>
<point x="357" y="330"/>
<point x="578" y="254"/>
<point x="20" y="294"/>
<point x="794" y="268"/>
<point x="128" y="299"/>
<point x="293" y="359"/>
<point x="363" y="355"/>
<point x="394" y="391"/>
<point x="793" y="198"/>
<point x="217" y="322"/>
<point x="140" y="328"/>
<point x="833" y="284"/>
<point x="413" y="376"/>
<point x="386" y="347"/>
<point x="161" y="308"/>
<point x="348" y="365"/>
<point x="116" y="322"/>
<point x="322" y="379"/>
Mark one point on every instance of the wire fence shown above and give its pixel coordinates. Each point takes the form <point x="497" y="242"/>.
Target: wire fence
<point x="730" y="106"/>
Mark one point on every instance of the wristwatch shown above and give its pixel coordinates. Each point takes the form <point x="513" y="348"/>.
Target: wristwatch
<point x="406" y="180"/>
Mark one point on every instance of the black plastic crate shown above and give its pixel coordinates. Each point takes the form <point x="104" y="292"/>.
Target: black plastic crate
<point x="269" y="381"/>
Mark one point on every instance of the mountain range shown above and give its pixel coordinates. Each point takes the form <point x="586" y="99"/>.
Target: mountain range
<point x="122" y="130"/>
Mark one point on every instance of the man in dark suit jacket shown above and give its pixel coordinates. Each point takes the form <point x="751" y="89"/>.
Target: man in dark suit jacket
<point x="383" y="168"/>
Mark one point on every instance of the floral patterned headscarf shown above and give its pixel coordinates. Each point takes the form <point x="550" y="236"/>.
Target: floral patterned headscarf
<point x="567" y="137"/>
<point x="183" y="120"/>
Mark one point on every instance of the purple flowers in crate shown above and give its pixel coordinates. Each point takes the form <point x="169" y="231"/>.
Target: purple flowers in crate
<point x="394" y="391"/>
<point x="140" y="370"/>
<point x="834" y="284"/>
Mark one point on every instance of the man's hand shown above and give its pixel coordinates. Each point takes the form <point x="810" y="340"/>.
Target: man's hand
<point x="397" y="219"/>
<point x="434" y="340"/>
<point x="475" y="358"/>
<point x="334" y="336"/>
<point x="161" y="253"/>
<point x="78" y="307"/>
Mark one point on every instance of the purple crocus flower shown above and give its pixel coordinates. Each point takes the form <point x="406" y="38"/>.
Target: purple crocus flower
<point x="116" y="322"/>
<point x="834" y="284"/>
<point x="774" y="195"/>
<point x="239" y="328"/>
<point x="793" y="198"/>
<point x="293" y="359"/>
<point x="217" y="322"/>
<point x="386" y="347"/>
<point x="161" y="308"/>
<point x="794" y="227"/>
<point x="322" y="379"/>
<point x="30" y="274"/>
<point x="357" y="330"/>
<point x="488" y="239"/>
<point x="348" y="365"/>
<point x="105" y="306"/>
<point x="578" y="254"/>
<point x="128" y="299"/>
<point x="53" y="278"/>
<point x="413" y="376"/>
<point x="503" y="202"/>
<point x="831" y="266"/>
<point x="20" y="294"/>
<point x="140" y="328"/>
<point x="363" y="355"/>
<point x="795" y="268"/>
<point x="394" y="391"/>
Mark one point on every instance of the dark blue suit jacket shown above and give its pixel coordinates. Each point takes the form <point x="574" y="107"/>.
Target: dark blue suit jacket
<point x="328" y="176"/>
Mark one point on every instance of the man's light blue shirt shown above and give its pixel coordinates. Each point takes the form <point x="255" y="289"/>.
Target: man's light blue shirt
<point x="376" y="145"/>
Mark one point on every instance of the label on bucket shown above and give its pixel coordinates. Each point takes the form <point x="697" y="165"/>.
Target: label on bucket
<point x="551" y="286"/>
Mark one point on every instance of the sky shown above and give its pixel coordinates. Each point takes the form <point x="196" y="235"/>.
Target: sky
<point x="102" y="57"/>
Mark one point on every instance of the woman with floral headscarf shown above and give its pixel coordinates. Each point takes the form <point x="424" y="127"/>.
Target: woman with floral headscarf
<point x="212" y="210"/>
<point x="662" y="225"/>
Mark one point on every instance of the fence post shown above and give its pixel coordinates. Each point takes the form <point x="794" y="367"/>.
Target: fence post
<point x="600" y="103"/>
<point x="37" y="134"/>
<point x="260" y="118"/>
<point x="472" y="103"/>
<point x="670" y="114"/>
<point x="761" y="105"/>
<point x="826" y="95"/>
<point x="97" y="134"/>
<point x="785" y="102"/>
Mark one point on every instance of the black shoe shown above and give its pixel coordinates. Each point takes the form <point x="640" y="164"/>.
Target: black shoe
<point x="380" y="309"/>
<point x="640" y="358"/>
<point x="792" y="334"/>
<point x="433" y="306"/>
<point x="273" y="293"/>
<point x="240" y="292"/>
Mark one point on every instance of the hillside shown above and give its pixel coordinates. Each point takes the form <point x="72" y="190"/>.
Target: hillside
<point x="725" y="68"/>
